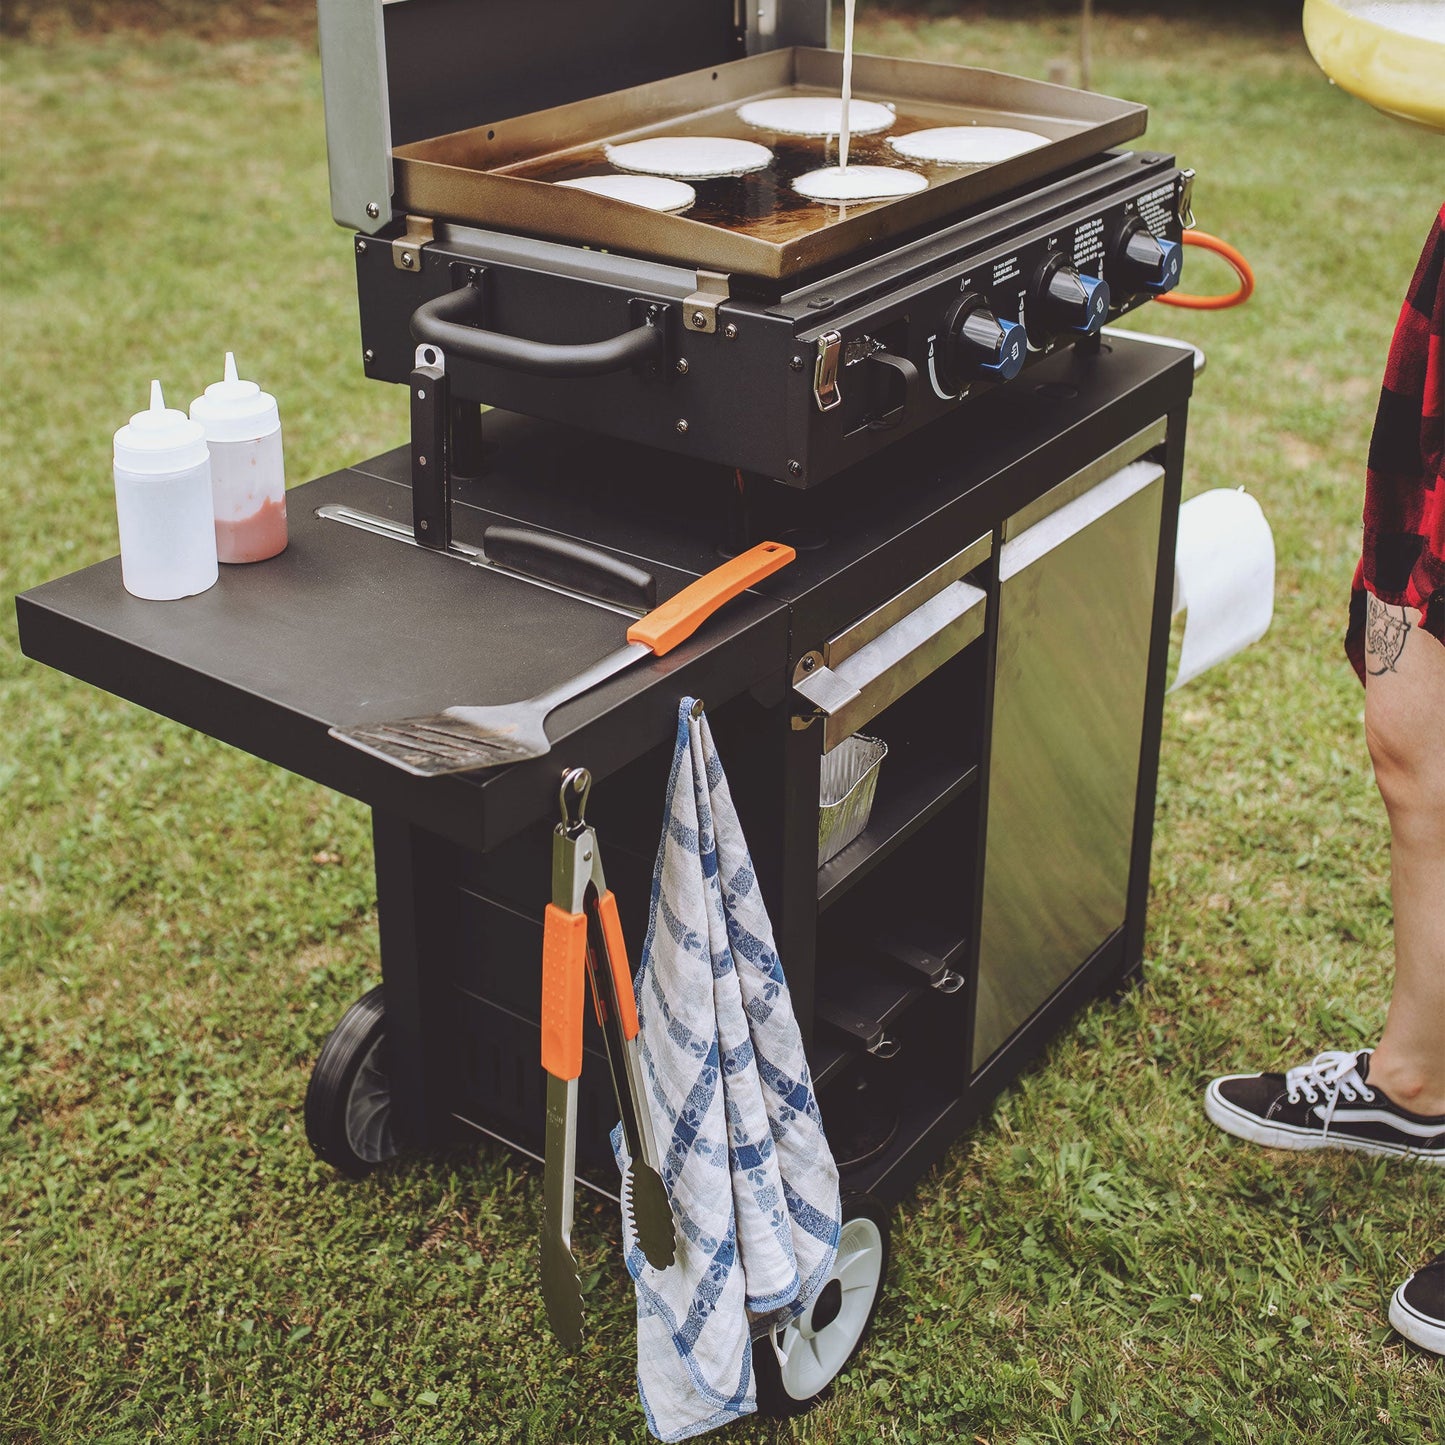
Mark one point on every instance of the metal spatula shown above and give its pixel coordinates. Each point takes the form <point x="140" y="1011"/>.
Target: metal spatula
<point x="462" y="739"/>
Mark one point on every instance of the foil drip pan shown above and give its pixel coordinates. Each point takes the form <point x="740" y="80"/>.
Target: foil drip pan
<point x="848" y="781"/>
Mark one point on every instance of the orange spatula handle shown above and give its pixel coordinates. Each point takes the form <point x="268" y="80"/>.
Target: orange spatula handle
<point x="564" y="962"/>
<point x="679" y="617"/>
<point x="617" y="962"/>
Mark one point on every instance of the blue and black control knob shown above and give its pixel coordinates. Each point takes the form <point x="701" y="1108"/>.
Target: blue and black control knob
<point x="1139" y="261"/>
<point x="979" y="346"/>
<point x="1063" y="299"/>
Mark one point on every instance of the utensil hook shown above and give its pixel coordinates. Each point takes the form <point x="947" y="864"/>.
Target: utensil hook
<point x="577" y="781"/>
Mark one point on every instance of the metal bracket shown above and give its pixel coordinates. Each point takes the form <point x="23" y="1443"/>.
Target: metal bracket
<point x="699" y="311"/>
<point x="645" y="311"/>
<point x="825" y="371"/>
<point x="431" y="500"/>
<point x="1184" y="202"/>
<point x="820" y="686"/>
<point x="406" y="250"/>
<point x="807" y="664"/>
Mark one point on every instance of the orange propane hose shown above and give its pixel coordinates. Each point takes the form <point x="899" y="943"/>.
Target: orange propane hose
<point x="1215" y="303"/>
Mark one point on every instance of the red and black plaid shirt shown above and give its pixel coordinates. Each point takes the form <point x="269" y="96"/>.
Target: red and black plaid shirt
<point x="1403" y="561"/>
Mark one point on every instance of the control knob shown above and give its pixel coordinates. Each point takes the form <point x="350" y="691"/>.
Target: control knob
<point x="979" y="345"/>
<point x="1063" y="299"/>
<point x="1141" y="261"/>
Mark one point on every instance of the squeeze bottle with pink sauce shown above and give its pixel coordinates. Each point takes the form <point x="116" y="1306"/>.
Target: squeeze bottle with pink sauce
<point x="248" y="476"/>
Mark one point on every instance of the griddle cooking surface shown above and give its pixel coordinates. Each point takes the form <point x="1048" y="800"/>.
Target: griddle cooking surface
<point x="502" y="174"/>
<point x="763" y="203"/>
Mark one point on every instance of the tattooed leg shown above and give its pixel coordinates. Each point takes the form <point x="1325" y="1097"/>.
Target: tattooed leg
<point x="1385" y="633"/>
<point x="1405" y="727"/>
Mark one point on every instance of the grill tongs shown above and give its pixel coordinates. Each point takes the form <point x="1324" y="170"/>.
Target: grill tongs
<point x="582" y="933"/>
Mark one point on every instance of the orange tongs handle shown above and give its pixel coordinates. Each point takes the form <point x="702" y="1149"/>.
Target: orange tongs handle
<point x="617" y="963"/>
<point x="564" y="962"/>
<point x="680" y="616"/>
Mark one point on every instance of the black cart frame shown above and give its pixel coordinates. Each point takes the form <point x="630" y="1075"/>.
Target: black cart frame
<point x="347" y="625"/>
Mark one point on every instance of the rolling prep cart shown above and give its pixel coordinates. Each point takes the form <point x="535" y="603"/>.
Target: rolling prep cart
<point x="1009" y="840"/>
<point x="979" y="480"/>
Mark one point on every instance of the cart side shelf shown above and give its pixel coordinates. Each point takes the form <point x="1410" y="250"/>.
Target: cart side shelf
<point x="917" y="791"/>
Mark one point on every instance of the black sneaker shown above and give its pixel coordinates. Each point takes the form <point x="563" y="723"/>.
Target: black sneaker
<point x="1324" y="1104"/>
<point x="1418" y="1308"/>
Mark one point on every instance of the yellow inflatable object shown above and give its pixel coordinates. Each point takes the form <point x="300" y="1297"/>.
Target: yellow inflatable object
<point x="1388" y="52"/>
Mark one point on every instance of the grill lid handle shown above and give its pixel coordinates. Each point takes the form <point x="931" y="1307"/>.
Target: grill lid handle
<point x="448" y="322"/>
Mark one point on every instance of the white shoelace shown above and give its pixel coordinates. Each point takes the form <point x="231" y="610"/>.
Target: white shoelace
<point x="1333" y="1074"/>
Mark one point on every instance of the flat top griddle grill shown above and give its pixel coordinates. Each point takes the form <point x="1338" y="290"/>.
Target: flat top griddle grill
<point x="499" y="175"/>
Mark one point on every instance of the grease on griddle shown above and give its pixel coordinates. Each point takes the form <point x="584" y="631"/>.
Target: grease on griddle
<point x="762" y="203"/>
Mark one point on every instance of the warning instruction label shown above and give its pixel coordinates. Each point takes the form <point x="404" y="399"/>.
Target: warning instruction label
<point x="1156" y="207"/>
<point x="1088" y="244"/>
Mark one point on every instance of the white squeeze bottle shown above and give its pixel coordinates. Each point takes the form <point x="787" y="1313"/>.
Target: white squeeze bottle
<point x="163" y="504"/>
<point x="248" y="476"/>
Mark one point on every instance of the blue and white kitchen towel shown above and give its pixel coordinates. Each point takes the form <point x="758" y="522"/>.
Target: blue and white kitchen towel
<point x="753" y="1184"/>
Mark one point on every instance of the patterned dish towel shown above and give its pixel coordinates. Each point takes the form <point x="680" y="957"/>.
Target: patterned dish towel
<point x="753" y="1184"/>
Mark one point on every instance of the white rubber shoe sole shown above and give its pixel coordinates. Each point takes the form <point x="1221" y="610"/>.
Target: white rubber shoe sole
<point x="1419" y="1329"/>
<point x="1244" y="1125"/>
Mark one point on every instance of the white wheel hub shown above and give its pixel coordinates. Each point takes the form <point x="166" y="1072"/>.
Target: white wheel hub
<point x="814" y="1347"/>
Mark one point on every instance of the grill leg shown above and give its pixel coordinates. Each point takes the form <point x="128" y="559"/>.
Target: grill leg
<point x="415" y="899"/>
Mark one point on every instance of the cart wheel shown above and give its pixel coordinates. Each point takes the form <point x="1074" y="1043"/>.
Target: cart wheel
<point x="348" y="1101"/>
<point x="815" y="1347"/>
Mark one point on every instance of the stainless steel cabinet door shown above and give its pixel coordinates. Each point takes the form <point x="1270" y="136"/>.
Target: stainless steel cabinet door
<point x="1076" y="594"/>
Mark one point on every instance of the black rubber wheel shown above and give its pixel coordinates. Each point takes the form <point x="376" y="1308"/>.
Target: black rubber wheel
<point x="348" y="1101"/>
<point x="817" y="1345"/>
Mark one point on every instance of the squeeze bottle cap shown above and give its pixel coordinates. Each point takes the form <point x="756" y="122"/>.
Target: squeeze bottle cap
<point x="234" y="410"/>
<point x="160" y="440"/>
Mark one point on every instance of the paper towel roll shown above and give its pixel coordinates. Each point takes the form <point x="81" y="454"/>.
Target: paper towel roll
<point x="1223" y="578"/>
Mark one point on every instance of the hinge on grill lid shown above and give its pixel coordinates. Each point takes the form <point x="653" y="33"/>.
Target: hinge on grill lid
<point x="699" y="311"/>
<point x="406" y="250"/>
<point x="825" y="371"/>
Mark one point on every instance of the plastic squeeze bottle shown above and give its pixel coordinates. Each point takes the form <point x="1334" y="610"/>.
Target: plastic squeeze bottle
<point x="163" y="504"/>
<point x="248" y="476"/>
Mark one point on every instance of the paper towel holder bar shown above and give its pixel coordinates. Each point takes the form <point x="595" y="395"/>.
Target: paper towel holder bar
<point x="1086" y="477"/>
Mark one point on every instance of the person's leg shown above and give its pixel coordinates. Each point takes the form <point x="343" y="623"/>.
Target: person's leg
<point x="1390" y="1100"/>
<point x="1405" y="729"/>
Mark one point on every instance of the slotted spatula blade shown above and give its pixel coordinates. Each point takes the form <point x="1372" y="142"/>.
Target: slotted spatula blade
<point x="431" y="746"/>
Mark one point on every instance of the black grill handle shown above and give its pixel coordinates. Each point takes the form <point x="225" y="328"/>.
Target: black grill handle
<point x="448" y="323"/>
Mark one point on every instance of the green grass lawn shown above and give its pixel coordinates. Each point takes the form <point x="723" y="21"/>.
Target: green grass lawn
<point x="180" y="925"/>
